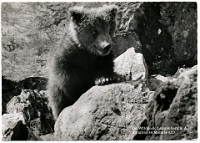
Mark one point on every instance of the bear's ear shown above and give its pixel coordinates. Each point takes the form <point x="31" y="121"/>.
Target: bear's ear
<point x="112" y="10"/>
<point x="77" y="14"/>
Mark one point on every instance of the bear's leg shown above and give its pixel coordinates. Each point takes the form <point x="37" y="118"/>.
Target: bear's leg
<point x="68" y="90"/>
<point x="58" y="100"/>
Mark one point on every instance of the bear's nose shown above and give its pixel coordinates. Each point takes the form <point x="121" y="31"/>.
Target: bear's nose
<point x="107" y="47"/>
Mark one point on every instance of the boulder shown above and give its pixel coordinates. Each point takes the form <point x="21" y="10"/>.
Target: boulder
<point x="34" y="106"/>
<point x="181" y="22"/>
<point x="14" y="127"/>
<point x="12" y="88"/>
<point x="164" y="32"/>
<point x="172" y="113"/>
<point x="110" y="112"/>
<point x="131" y="62"/>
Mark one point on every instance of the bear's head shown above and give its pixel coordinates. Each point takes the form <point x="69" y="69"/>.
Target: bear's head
<point x="93" y="28"/>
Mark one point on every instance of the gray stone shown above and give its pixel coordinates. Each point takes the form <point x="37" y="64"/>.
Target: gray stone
<point x="174" y="106"/>
<point x="133" y="62"/>
<point x="110" y="112"/>
<point x="34" y="106"/>
<point x="168" y="35"/>
<point x="14" y="127"/>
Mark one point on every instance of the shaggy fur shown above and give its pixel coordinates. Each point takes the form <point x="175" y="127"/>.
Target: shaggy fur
<point x="83" y="56"/>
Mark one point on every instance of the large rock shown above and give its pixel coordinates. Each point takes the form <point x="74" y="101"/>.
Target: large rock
<point x="165" y="33"/>
<point x="131" y="62"/>
<point x="34" y="106"/>
<point x="12" y="88"/>
<point x="168" y="34"/>
<point x="103" y="113"/>
<point x="181" y="22"/>
<point x="14" y="127"/>
<point x="172" y="114"/>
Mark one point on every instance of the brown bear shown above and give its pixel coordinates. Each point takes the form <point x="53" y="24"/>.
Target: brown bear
<point x="84" y="55"/>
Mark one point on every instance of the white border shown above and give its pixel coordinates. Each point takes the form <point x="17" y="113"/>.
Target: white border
<point x="106" y="1"/>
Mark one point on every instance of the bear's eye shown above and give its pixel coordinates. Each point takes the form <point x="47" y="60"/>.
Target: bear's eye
<point x="95" y="32"/>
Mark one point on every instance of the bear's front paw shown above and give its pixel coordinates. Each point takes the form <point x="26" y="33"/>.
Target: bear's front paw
<point x="102" y="81"/>
<point x="113" y="79"/>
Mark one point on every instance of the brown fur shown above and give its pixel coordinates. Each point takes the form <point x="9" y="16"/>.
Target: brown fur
<point x="83" y="55"/>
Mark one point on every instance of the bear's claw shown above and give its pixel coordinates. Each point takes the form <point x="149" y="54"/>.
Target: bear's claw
<point x="115" y="79"/>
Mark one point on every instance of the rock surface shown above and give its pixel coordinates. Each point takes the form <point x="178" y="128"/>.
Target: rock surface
<point x="168" y="35"/>
<point x="133" y="62"/>
<point x="47" y="137"/>
<point x="12" y="88"/>
<point x="103" y="113"/>
<point x="126" y="36"/>
<point x="38" y="116"/>
<point x="165" y="33"/>
<point x="173" y="110"/>
<point x="13" y="127"/>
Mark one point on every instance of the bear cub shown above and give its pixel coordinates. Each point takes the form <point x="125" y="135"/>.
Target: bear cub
<point x="83" y="56"/>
